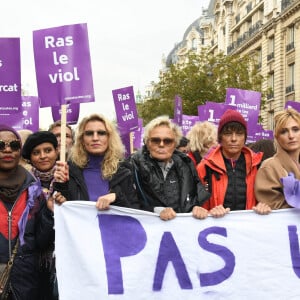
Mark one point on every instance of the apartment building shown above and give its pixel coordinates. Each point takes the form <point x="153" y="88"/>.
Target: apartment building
<point x="269" y="30"/>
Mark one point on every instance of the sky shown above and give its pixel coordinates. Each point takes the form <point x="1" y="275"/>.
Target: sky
<point x="127" y="40"/>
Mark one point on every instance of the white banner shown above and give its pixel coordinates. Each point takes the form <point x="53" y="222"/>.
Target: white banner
<point x="130" y="254"/>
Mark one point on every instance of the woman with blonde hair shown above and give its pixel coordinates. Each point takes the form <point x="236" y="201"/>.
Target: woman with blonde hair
<point x="270" y="187"/>
<point x="202" y="136"/>
<point x="97" y="171"/>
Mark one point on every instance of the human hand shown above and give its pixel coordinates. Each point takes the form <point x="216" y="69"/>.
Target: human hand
<point x="199" y="212"/>
<point x="219" y="211"/>
<point x="104" y="201"/>
<point x="61" y="173"/>
<point x="167" y="214"/>
<point x="262" y="208"/>
<point x="56" y="197"/>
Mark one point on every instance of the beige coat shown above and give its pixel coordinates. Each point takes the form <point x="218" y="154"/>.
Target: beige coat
<point x="268" y="187"/>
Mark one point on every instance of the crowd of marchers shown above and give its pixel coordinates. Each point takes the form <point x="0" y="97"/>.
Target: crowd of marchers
<point x="209" y="172"/>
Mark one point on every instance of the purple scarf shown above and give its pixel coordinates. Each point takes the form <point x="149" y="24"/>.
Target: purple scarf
<point x="291" y="190"/>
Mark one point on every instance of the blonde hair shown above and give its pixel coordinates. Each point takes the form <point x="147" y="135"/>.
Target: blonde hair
<point x="114" y="153"/>
<point x="163" y="121"/>
<point x="202" y="136"/>
<point x="281" y="118"/>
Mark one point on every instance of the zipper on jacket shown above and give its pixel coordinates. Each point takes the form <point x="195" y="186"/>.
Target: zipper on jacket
<point x="9" y="220"/>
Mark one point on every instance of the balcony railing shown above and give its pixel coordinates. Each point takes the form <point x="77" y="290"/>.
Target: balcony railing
<point x="289" y="89"/>
<point x="270" y="56"/>
<point x="286" y="3"/>
<point x="290" y="46"/>
<point x="249" y="7"/>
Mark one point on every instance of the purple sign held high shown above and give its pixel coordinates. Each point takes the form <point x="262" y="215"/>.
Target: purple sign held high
<point x="177" y="110"/>
<point x="63" y="65"/>
<point x="125" y="107"/>
<point x="211" y="111"/>
<point x="293" y="104"/>
<point x="247" y="103"/>
<point x="10" y="76"/>
<point x="72" y="113"/>
<point x="28" y="118"/>
<point x="188" y="122"/>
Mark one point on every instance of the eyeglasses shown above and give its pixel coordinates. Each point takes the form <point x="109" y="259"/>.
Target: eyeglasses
<point x="157" y="141"/>
<point x="99" y="132"/>
<point x="14" y="145"/>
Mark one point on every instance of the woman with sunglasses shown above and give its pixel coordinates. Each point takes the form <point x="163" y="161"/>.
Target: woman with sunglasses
<point x="166" y="179"/>
<point x="96" y="168"/>
<point x="41" y="152"/>
<point x="26" y="219"/>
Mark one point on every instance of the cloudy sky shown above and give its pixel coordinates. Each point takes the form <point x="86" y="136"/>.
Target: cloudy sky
<point x="127" y="39"/>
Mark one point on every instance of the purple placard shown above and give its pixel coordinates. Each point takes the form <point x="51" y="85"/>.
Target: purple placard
<point x="10" y="76"/>
<point x="138" y="135"/>
<point x="63" y="65"/>
<point x="177" y="110"/>
<point x="72" y="113"/>
<point x="125" y="109"/>
<point x="245" y="102"/>
<point x="212" y="112"/>
<point x="28" y="118"/>
<point x="293" y="104"/>
<point x="188" y="122"/>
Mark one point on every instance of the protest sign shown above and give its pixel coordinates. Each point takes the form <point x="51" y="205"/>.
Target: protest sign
<point x="130" y="254"/>
<point x="177" y="110"/>
<point x="63" y="65"/>
<point x="125" y="107"/>
<point x="10" y="76"/>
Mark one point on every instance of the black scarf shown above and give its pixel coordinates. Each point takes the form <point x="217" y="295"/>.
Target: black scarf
<point x="10" y="186"/>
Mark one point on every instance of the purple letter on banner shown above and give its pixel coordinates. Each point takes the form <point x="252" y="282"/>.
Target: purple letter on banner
<point x="208" y="279"/>
<point x="125" y="109"/>
<point x="63" y="65"/>
<point x="294" y="249"/>
<point x="169" y="251"/>
<point x="121" y="236"/>
<point x="10" y="76"/>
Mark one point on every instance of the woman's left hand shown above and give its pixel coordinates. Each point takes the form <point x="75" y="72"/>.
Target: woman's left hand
<point x="104" y="201"/>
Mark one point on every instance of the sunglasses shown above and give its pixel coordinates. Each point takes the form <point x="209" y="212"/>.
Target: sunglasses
<point x="99" y="132"/>
<point x="157" y="141"/>
<point x="14" y="145"/>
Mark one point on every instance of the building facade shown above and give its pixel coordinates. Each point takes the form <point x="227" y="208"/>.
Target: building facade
<point x="269" y="30"/>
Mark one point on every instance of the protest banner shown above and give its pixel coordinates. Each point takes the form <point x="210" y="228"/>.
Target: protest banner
<point x="10" y="76"/>
<point x="130" y="254"/>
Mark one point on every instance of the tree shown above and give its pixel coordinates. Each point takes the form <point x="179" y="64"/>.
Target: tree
<point x="202" y="78"/>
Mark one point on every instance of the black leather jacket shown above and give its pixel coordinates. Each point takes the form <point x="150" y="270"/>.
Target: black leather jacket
<point x="148" y="178"/>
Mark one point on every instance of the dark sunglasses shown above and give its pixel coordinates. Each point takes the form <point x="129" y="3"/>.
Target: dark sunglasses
<point x="14" y="145"/>
<point x="157" y="141"/>
<point x="99" y="132"/>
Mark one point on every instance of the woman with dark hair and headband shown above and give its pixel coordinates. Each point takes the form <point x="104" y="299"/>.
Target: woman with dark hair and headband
<point x="26" y="219"/>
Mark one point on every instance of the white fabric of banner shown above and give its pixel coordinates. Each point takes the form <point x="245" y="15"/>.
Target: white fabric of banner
<point x="130" y="254"/>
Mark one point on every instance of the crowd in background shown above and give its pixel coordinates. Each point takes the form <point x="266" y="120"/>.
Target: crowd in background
<point x="209" y="172"/>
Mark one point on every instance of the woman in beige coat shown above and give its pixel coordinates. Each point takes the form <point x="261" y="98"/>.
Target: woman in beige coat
<point x="269" y="188"/>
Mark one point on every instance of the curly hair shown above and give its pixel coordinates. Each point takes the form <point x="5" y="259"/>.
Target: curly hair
<point x="163" y="121"/>
<point x="115" y="150"/>
<point x="202" y="136"/>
